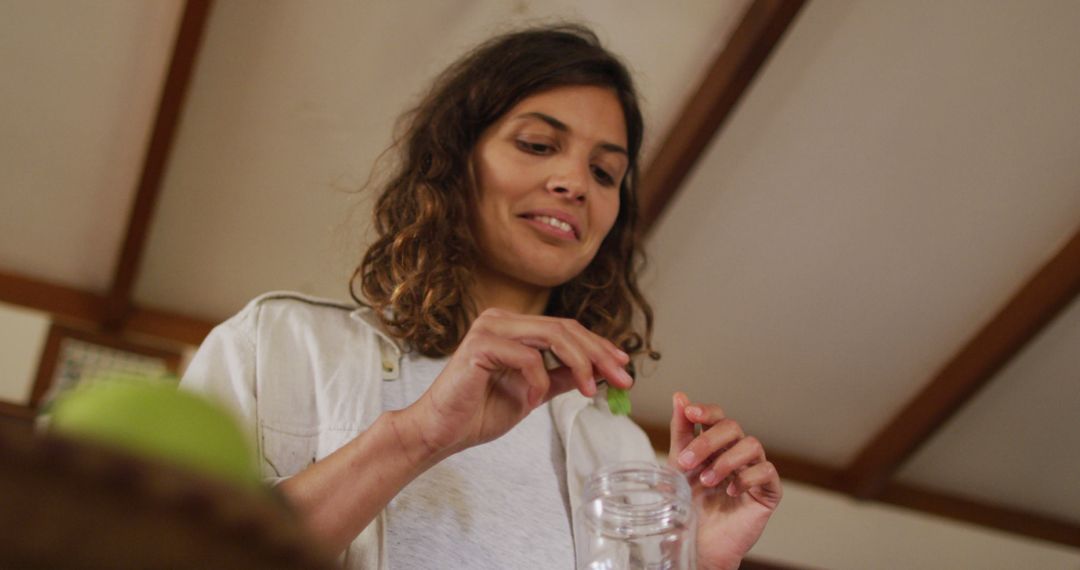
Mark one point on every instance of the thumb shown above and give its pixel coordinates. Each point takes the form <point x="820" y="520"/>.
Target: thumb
<point x="682" y="429"/>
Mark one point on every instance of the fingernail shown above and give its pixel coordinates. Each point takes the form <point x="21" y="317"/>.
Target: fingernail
<point x="709" y="477"/>
<point x="622" y="354"/>
<point x="694" y="411"/>
<point x="686" y="458"/>
<point x="592" y="386"/>
<point x="625" y="376"/>
<point x="731" y="489"/>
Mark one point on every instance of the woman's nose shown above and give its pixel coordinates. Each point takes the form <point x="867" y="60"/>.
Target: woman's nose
<point x="571" y="183"/>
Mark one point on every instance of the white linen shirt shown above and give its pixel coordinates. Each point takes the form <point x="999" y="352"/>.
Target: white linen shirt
<point x="305" y="377"/>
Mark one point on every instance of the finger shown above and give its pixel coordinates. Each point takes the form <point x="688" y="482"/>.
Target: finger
<point x="562" y="378"/>
<point x="588" y="354"/>
<point x="706" y="414"/>
<point x="717" y="438"/>
<point x="622" y="357"/>
<point x="763" y="476"/>
<point x="604" y="347"/>
<point x="575" y="359"/>
<point x="608" y="361"/>
<point x="746" y="452"/>
<point x="528" y="363"/>
<point x="595" y="349"/>
<point x="542" y="334"/>
<point x="682" y="429"/>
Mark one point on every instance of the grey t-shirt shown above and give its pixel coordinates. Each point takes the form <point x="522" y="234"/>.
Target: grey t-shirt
<point x="495" y="506"/>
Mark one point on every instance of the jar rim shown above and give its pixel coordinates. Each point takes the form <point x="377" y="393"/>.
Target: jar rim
<point x="637" y="498"/>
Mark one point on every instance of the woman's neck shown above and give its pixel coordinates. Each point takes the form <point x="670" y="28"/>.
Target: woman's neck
<point x="492" y="290"/>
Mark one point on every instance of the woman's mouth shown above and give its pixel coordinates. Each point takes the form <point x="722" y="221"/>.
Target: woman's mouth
<point x="552" y="226"/>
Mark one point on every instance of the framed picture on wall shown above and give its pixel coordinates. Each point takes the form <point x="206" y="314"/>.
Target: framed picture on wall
<point x="73" y="356"/>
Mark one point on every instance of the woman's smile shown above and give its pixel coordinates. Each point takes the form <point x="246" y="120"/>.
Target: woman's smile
<point x="552" y="222"/>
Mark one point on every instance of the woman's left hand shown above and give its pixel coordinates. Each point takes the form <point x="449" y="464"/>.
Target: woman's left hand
<point x="735" y="488"/>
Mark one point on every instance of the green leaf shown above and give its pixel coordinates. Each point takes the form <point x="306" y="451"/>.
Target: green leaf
<point x="618" y="401"/>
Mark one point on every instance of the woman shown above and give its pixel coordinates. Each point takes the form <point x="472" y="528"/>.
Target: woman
<point x="404" y="431"/>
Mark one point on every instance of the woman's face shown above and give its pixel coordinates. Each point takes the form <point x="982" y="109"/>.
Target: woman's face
<point x="548" y="175"/>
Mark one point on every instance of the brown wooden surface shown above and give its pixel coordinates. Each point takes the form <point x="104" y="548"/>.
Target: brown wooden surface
<point x="14" y="418"/>
<point x="1041" y="299"/>
<point x="728" y="78"/>
<point x="185" y="52"/>
<point x="21" y="415"/>
<point x="70" y="503"/>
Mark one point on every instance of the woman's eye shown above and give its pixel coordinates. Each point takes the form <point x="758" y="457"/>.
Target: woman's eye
<point x="535" y="147"/>
<point x="602" y="176"/>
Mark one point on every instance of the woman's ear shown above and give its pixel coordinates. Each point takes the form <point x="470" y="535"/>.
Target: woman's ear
<point x="470" y="171"/>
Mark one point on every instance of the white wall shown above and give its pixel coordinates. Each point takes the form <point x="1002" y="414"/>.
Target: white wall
<point x="820" y="529"/>
<point x="22" y="337"/>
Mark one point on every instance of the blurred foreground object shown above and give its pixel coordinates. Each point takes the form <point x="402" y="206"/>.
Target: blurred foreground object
<point x="153" y="419"/>
<point x="104" y="491"/>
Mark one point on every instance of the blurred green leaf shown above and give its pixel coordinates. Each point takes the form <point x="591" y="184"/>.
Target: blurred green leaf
<point x="618" y="401"/>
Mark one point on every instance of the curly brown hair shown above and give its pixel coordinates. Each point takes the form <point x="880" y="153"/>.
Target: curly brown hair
<point x="417" y="273"/>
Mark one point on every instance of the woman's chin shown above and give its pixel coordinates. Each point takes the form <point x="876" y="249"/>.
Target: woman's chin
<point x="544" y="275"/>
<point x="542" y="271"/>
<point x="554" y="279"/>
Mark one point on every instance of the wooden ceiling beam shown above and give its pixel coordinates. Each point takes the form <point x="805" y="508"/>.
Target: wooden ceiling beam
<point x="965" y="509"/>
<point x="1028" y="312"/>
<point x="728" y="78"/>
<point x="58" y="300"/>
<point x="70" y="304"/>
<point x="1015" y="521"/>
<point x="185" y="52"/>
<point x="168" y="325"/>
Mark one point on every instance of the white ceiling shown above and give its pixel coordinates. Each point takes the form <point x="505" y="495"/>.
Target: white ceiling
<point x="894" y="176"/>
<point x="895" y="173"/>
<point x="77" y="110"/>
<point x="292" y="102"/>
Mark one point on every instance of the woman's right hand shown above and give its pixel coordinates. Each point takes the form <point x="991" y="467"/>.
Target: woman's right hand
<point x="497" y="376"/>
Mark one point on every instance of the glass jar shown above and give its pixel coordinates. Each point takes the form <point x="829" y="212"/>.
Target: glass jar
<point x="635" y="515"/>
